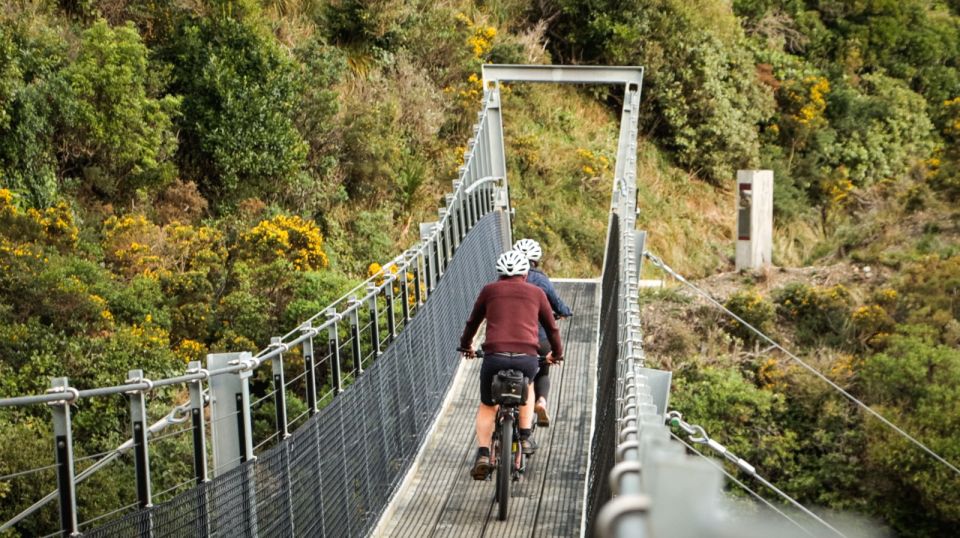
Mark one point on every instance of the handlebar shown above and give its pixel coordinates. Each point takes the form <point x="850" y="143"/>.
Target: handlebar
<point x="478" y="353"/>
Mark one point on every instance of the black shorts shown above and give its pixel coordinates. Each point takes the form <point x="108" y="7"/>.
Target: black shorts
<point x="493" y="363"/>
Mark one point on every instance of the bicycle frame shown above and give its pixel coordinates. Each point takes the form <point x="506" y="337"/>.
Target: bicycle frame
<point x="520" y="461"/>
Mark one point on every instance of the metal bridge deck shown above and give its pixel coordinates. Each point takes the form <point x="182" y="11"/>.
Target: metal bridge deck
<point x="440" y="498"/>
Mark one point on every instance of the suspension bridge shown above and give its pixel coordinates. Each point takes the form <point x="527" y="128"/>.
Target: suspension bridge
<point x="385" y="443"/>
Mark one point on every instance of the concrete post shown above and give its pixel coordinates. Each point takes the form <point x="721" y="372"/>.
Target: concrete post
<point x="754" y="218"/>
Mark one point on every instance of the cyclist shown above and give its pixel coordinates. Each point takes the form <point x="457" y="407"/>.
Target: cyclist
<point x="541" y="385"/>
<point x="512" y="308"/>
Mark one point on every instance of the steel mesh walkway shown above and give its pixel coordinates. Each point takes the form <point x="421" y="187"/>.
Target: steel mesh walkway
<point x="440" y="498"/>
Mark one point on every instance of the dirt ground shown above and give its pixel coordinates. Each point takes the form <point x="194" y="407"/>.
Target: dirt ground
<point x="676" y="320"/>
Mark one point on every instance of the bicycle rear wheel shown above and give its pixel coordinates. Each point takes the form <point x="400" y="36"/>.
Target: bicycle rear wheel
<point x="504" y="466"/>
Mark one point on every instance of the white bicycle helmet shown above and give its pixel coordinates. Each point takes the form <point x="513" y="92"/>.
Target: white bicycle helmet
<point x="512" y="263"/>
<point x="530" y="248"/>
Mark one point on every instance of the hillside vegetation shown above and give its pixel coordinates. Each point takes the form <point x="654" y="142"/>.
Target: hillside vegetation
<point x="194" y="176"/>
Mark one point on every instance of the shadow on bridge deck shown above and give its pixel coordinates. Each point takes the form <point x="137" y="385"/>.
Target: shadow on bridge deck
<point x="440" y="499"/>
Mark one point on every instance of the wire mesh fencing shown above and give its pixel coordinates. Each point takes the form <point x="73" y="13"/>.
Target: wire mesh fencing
<point x="604" y="439"/>
<point x="335" y="474"/>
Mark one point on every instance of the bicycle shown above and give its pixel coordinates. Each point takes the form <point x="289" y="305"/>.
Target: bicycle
<point x="508" y="461"/>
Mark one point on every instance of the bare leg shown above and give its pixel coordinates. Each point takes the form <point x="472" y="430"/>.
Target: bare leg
<point x="526" y="412"/>
<point x="486" y="415"/>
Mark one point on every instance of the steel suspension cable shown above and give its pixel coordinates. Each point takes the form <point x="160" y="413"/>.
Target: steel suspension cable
<point x="666" y="268"/>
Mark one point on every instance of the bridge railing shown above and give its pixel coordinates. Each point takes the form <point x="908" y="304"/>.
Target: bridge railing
<point x="641" y="482"/>
<point x="337" y="351"/>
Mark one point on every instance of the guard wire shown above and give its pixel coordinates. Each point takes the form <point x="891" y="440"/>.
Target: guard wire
<point x="705" y="439"/>
<point x="741" y="484"/>
<point x="659" y="263"/>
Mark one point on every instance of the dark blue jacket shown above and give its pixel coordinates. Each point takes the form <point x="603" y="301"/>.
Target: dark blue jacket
<point x="540" y="280"/>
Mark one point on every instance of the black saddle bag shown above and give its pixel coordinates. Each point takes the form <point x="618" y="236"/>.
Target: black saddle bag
<point x="509" y="387"/>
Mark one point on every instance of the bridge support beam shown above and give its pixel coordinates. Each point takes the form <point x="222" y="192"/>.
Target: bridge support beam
<point x="499" y="198"/>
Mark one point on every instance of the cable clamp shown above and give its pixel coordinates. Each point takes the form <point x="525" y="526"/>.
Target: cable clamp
<point x="137" y="381"/>
<point x="246" y="365"/>
<point x="203" y="372"/>
<point x="172" y="418"/>
<point x="279" y="345"/>
<point x="310" y="330"/>
<point x="72" y="395"/>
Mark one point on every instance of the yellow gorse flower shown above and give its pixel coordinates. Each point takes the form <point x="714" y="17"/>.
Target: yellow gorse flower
<point x="292" y="238"/>
<point x="591" y="164"/>
<point x="190" y="350"/>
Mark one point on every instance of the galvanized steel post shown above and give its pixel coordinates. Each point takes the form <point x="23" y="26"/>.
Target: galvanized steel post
<point x="405" y="296"/>
<point x="417" y="280"/>
<point x="279" y="389"/>
<point x="63" y="443"/>
<point x="429" y="249"/>
<point x="373" y="291"/>
<point x="309" y="371"/>
<point x="441" y="243"/>
<point x="141" y="452"/>
<point x="333" y="347"/>
<point x="198" y="430"/>
<point x="199" y="425"/>
<point x="353" y="311"/>
<point x="391" y="313"/>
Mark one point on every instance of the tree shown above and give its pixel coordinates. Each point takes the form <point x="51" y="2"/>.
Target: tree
<point x="116" y="137"/>
<point x="239" y="93"/>
<point x="30" y="57"/>
<point x="701" y="93"/>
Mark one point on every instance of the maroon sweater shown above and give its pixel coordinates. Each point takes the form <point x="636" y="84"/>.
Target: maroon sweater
<point x="512" y="309"/>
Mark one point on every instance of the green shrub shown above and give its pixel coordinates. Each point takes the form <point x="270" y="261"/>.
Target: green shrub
<point x="752" y="308"/>
<point x="700" y="88"/>
<point x="30" y="57"/>
<point x="916" y="384"/>
<point x="821" y="315"/>
<point x="927" y="291"/>
<point x="314" y="291"/>
<point x="321" y="66"/>
<point x="744" y="418"/>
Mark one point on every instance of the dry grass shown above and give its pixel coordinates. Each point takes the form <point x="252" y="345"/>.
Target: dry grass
<point x="557" y="202"/>
<point x="689" y="223"/>
<point x="794" y="243"/>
